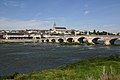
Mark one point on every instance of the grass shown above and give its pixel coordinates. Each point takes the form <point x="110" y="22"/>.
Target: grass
<point x="6" y="42"/>
<point x="92" y="69"/>
<point x="13" y="42"/>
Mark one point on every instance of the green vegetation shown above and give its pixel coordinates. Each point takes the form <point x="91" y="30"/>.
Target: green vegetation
<point x="89" y="43"/>
<point x="6" y="42"/>
<point x="92" y="69"/>
<point x="116" y="45"/>
<point x="12" y="76"/>
<point x="13" y="42"/>
<point x="100" y="33"/>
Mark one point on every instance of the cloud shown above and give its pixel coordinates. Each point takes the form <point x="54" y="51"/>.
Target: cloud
<point x="6" y="23"/>
<point x="105" y="27"/>
<point x="86" y="12"/>
<point x="111" y="27"/>
<point x="86" y="9"/>
<point x="13" y="3"/>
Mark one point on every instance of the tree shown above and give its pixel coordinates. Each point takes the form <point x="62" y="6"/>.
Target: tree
<point x="118" y="33"/>
<point x="104" y="33"/>
<point x="85" y="32"/>
<point x="50" y="29"/>
<point x="98" y="33"/>
<point x="94" y="31"/>
<point x="73" y="32"/>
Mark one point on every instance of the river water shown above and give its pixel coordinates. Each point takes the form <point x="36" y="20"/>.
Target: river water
<point x="29" y="57"/>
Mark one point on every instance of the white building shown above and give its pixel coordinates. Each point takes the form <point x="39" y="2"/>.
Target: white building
<point x="58" y="29"/>
<point x="63" y="30"/>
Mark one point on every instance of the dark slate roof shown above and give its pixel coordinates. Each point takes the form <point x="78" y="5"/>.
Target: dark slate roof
<point x="60" y="28"/>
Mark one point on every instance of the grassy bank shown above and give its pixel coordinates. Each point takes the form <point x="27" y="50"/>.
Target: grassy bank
<point x="93" y="69"/>
<point x="13" y="42"/>
<point x="6" y="42"/>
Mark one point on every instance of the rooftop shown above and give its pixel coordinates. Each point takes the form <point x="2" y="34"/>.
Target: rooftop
<point x="60" y="28"/>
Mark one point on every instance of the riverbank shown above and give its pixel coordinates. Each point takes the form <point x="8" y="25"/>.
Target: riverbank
<point x="15" y="41"/>
<point x="76" y="43"/>
<point x="3" y="41"/>
<point x="93" y="69"/>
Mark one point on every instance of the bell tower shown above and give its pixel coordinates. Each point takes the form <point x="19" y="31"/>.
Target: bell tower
<point x="54" y="25"/>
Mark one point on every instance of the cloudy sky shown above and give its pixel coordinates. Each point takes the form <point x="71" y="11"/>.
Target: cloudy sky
<point x="102" y="15"/>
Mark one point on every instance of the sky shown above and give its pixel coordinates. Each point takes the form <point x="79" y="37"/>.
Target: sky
<point x="83" y="15"/>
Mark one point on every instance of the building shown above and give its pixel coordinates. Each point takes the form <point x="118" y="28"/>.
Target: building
<point x="61" y="30"/>
<point x="58" y="29"/>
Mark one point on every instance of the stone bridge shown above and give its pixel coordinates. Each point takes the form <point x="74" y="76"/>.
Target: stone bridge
<point x="93" y="39"/>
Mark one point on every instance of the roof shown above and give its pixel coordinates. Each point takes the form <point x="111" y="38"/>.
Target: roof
<point x="15" y="33"/>
<point x="60" y="28"/>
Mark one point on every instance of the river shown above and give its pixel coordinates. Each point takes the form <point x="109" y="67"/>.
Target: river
<point x="29" y="57"/>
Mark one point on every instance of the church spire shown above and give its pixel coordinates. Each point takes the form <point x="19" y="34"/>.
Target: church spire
<point x="54" y="25"/>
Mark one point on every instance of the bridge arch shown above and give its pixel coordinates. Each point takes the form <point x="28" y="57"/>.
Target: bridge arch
<point x="95" y="40"/>
<point x="81" y="39"/>
<point x="47" y="40"/>
<point x="70" y="40"/>
<point x="53" y="40"/>
<point x="112" y="41"/>
<point x="42" y="41"/>
<point x="60" y="40"/>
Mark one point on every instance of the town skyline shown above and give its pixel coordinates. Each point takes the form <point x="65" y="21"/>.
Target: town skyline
<point x="102" y="15"/>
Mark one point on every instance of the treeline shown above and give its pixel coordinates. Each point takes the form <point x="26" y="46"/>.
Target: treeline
<point x="94" y="32"/>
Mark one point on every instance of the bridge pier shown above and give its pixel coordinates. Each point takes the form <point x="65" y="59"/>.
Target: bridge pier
<point x="110" y="41"/>
<point x="90" y="40"/>
<point x="107" y="42"/>
<point x="76" y="40"/>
